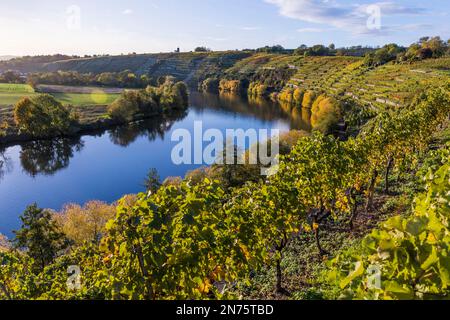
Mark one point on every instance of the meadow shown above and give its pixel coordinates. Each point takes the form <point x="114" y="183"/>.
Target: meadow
<point x="12" y="93"/>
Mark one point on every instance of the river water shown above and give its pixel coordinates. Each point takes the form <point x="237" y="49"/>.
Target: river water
<point x="109" y="164"/>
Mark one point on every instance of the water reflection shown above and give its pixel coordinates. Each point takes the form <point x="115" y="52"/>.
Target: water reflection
<point x="260" y="108"/>
<point x="61" y="171"/>
<point x="6" y="165"/>
<point x="46" y="157"/>
<point x="152" y="128"/>
<point x="300" y="117"/>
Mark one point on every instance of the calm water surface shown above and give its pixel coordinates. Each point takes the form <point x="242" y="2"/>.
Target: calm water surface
<point x="115" y="162"/>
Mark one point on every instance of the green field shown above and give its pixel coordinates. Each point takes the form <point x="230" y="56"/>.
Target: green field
<point x="15" y="88"/>
<point x="83" y="99"/>
<point x="12" y="93"/>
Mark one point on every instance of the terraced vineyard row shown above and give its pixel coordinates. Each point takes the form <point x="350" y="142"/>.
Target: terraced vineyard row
<point x="388" y="86"/>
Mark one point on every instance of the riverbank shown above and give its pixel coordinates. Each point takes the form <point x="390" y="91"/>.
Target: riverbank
<point x="43" y="117"/>
<point x="106" y="164"/>
<point x="93" y="119"/>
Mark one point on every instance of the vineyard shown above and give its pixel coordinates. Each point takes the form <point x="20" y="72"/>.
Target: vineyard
<point x="385" y="87"/>
<point x="204" y="240"/>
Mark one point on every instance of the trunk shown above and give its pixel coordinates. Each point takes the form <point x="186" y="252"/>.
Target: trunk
<point x="148" y="285"/>
<point x="371" y="191"/>
<point x="354" y="210"/>
<point x="149" y="294"/>
<point x="386" y="177"/>
<point x="317" y="236"/>
<point x="5" y="291"/>
<point x="280" y="248"/>
<point x="279" y="287"/>
<point x="42" y="259"/>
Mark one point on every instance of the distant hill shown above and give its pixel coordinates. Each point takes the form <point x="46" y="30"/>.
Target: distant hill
<point x="6" y="58"/>
<point x="189" y="67"/>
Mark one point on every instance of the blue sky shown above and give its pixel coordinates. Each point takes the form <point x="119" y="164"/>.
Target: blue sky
<point x="110" y="26"/>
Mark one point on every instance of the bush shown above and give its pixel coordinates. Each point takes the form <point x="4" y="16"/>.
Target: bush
<point x="233" y="86"/>
<point x="410" y="255"/>
<point x="202" y="49"/>
<point x="298" y="95"/>
<point x="87" y="223"/>
<point x="383" y="55"/>
<point x="287" y="95"/>
<point x="42" y="115"/>
<point x="179" y="95"/>
<point x="258" y="89"/>
<point x="308" y="99"/>
<point x="210" y="85"/>
<point x="152" y="100"/>
<point x="125" y="107"/>
<point x="326" y="114"/>
<point x="4" y="244"/>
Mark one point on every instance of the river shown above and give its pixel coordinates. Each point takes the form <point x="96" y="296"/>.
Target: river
<point x="109" y="164"/>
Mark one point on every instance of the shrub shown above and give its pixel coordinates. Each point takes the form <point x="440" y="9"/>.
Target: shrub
<point x="410" y="255"/>
<point x="210" y="85"/>
<point x="125" y="107"/>
<point x="87" y="223"/>
<point x="152" y="100"/>
<point x="258" y="89"/>
<point x="234" y="86"/>
<point x="42" y="115"/>
<point x="298" y="95"/>
<point x="4" y="244"/>
<point x="286" y="95"/>
<point x="326" y="114"/>
<point x="180" y="95"/>
<point x="291" y="95"/>
<point x="308" y="99"/>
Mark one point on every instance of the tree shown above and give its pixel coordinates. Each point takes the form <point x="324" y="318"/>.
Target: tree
<point x="326" y="114"/>
<point x="427" y="48"/>
<point x="152" y="182"/>
<point x="383" y="55"/>
<point x="4" y="244"/>
<point x="39" y="236"/>
<point x="202" y="49"/>
<point x="11" y="77"/>
<point x="85" y="224"/>
<point x="42" y="116"/>
<point x="273" y="49"/>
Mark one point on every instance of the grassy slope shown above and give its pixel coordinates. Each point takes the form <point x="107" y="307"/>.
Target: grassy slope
<point x="388" y="86"/>
<point x="11" y="93"/>
<point x="81" y="99"/>
<point x="391" y="85"/>
<point x="304" y="271"/>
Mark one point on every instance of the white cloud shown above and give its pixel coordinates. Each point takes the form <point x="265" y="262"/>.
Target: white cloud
<point x="216" y="39"/>
<point x="352" y="18"/>
<point x="127" y="11"/>
<point x="309" y="30"/>
<point x="250" y="28"/>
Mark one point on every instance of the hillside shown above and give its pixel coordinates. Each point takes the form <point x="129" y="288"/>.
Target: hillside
<point x="387" y="86"/>
<point x="6" y="58"/>
<point x="190" y="67"/>
<point x="390" y="85"/>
